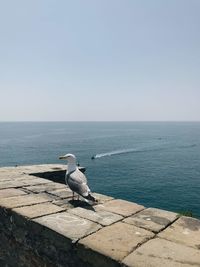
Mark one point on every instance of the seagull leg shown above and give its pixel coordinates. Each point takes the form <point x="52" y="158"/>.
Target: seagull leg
<point x="72" y="195"/>
<point x="78" y="197"/>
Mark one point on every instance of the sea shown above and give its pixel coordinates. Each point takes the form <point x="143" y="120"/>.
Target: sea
<point x="156" y="164"/>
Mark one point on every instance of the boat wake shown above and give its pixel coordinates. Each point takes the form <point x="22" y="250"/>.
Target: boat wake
<point x="139" y="150"/>
<point x="122" y="151"/>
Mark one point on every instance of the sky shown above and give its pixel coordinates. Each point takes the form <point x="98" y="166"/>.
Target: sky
<point x="100" y="60"/>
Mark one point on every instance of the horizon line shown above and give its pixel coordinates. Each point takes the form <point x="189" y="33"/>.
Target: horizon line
<point x="15" y="121"/>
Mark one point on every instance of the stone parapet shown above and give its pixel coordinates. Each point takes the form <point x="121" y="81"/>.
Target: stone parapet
<point x="40" y="225"/>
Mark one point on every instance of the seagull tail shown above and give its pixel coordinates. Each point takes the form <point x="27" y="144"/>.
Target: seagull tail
<point x="90" y="197"/>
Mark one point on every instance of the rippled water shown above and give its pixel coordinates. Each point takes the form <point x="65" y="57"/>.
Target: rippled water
<point x="155" y="164"/>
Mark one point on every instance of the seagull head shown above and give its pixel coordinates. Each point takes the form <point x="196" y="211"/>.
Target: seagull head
<point x="71" y="162"/>
<point x="69" y="157"/>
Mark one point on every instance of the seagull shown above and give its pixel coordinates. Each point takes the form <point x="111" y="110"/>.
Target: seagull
<point x="75" y="179"/>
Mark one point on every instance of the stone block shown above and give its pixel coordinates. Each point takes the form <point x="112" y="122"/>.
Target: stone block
<point x="62" y="193"/>
<point x="38" y="210"/>
<point x="68" y="225"/>
<point x="39" y="223"/>
<point x="5" y="178"/>
<point x="101" y="198"/>
<point x="102" y="217"/>
<point x="121" y="207"/>
<point x="152" y="219"/>
<point x="117" y="240"/>
<point x="185" y="230"/>
<point x="64" y="203"/>
<point x="11" y="192"/>
<point x="68" y="203"/>
<point x="45" y="187"/>
<point x="11" y="184"/>
<point x="29" y="169"/>
<point x="9" y="175"/>
<point x="25" y="178"/>
<point x="160" y="252"/>
<point x="35" y="181"/>
<point x="25" y="200"/>
<point x="14" y="183"/>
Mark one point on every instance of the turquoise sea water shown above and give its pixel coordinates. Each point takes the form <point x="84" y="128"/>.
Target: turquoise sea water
<point x="156" y="164"/>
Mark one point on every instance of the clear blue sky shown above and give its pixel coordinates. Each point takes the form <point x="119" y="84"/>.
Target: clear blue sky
<point x="99" y="60"/>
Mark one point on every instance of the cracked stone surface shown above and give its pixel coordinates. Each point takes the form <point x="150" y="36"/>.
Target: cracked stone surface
<point x="38" y="210"/>
<point x="45" y="187"/>
<point x="64" y="203"/>
<point x="35" y="181"/>
<point x="62" y="193"/>
<point x="185" y="230"/>
<point x="102" y="198"/>
<point x="68" y="203"/>
<point x="11" y="184"/>
<point x="23" y="182"/>
<point x="121" y="207"/>
<point x="40" y="225"/>
<point x="70" y="226"/>
<point x="102" y="217"/>
<point x="39" y="168"/>
<point x="25" y="200"/>
<point x="152" y="219"/>
<point x="160" y="252"/>
<point x="11" y="192"/>
<point x="116" y="241"/>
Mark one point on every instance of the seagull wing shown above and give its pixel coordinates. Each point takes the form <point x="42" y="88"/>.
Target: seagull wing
<point x="77" y="182"/>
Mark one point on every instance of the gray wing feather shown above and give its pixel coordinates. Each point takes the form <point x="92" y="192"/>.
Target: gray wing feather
<point x="78" y="176"/>
<point x="77" y="182"/>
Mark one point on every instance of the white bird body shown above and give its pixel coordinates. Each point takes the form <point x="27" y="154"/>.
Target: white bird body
<point x="75" y="179"/>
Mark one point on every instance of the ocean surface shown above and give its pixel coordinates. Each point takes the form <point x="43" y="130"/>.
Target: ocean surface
<point x="156" y="164"/>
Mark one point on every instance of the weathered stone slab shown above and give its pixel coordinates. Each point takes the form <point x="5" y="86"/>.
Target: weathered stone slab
<point x="35" y="181"/>
<point x="48" y="187"/>
<point x="11" y="184"/>
<point x="152" y="219"/>
<point x="9" y="175"/>
<point x="38" y="210"/>
<point x="40" y="168"/>
<point x="68" y="225"/>
<point x="102" y="217"/>
<point x="6" y="178"/>
<point x="185" y="230"/>
<point x="116" y="241"/>
<point x="31" y="221"/>
<point x="11" y="192"/>
<point x="6" y="169"/>
<point x="23" y="182"/>
<point x="62" y="193"/>
<point x="64" y="203"/>
<point x="160" y="252"/>
<point x="21" y="176"/>
<point x="25" y="177"/>
<point x="101" y="198"/>
<point x="49" y="197"/>
<point x="121" y="207"/>
<point x="68" y="203"/>
<point x="19" y="201"/>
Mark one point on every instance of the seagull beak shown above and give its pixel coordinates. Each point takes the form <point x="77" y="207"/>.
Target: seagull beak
<point x="62" y="157"/>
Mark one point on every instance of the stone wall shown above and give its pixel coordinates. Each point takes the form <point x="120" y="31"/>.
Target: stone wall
<point x="40" y="225"/>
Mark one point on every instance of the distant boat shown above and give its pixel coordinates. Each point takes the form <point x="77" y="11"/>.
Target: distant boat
<point x="93" y="157"/>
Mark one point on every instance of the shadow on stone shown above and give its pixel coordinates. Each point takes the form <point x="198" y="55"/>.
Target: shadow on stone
<point x="82" y="204"/>
<point x="57" y="175"/>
